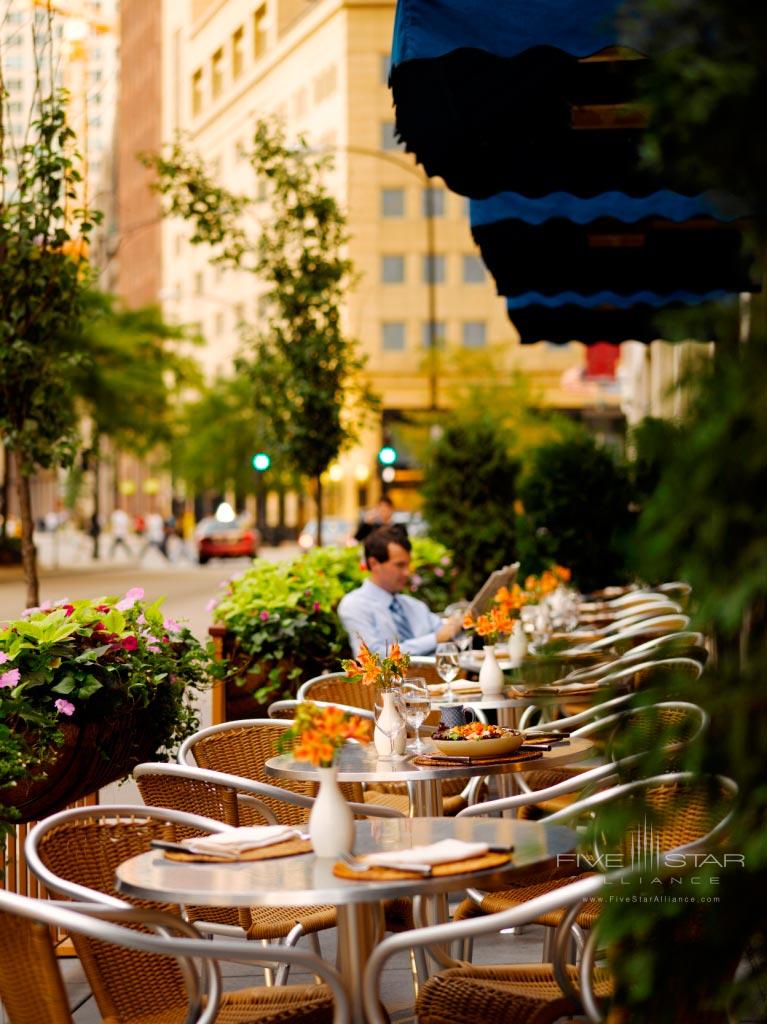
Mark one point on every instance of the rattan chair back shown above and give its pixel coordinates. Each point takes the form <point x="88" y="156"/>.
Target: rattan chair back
<point x="76" y="853"/>
<point x="338" y="688"/>
<point x="31" y="987"/>
<point x="242" y="748"/>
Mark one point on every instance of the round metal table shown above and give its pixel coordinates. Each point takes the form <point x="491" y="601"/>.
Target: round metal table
<point x="360" y="763"/>
<point x="306" y="879"/>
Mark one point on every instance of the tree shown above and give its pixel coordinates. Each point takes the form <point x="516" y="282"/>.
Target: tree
<point x="469" y="492"/>
<point x="43" y="279"/>
<point x="305" y="372"/>
<point x="576" y="499"/>
<point x="127" y="377"/>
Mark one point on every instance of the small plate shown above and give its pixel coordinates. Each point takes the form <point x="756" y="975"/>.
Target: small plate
<point x="482" y="748"/>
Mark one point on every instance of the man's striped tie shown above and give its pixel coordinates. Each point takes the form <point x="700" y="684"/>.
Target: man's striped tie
<point x="398" y="613"/>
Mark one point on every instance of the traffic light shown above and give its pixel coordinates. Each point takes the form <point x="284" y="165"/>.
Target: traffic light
<point x="387" y="455"/>
<point x="261" y="462"/>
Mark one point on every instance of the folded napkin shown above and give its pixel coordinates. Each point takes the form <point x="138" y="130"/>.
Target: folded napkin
<point x="238" y="840"/>
<point x="459" y="686"/>
<point x="444" y="852"/>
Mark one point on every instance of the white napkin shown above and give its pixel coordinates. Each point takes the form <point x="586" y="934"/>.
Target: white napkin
<point x="444" y="852"/>
<point x="238" y="840"/>
<point x="459" y="686"/>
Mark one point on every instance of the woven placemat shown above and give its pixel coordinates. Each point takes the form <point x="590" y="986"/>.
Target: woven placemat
<point x="456" y="867"/>
<point x="290" y="848"/>
<point x="429" y="761"/>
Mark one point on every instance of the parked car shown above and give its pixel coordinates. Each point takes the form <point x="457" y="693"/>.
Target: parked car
<point x="336" y="532"/>
<point x="217" y="539"/>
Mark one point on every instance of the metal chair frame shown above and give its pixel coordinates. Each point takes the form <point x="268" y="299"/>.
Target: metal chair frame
<point x="198" y="958"/>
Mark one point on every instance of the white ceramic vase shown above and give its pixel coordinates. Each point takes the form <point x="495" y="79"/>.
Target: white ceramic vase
<point x="331" y="822"/>
<point x="517" y="644"/>
<point x="490" y="675"/>
<point x="390" y="716"/>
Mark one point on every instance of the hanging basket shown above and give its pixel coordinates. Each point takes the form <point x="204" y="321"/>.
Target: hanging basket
<point x="92" y="756"/>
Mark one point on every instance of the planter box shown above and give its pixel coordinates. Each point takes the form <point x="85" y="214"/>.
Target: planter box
<point x="92" y="756"/>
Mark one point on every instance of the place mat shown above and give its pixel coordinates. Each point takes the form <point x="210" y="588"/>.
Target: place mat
<point x="434" y="761"/>
<point x="456" y="867"/>
<point x="289" y="848"/>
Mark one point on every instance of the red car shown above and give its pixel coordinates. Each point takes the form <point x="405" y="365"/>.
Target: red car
<point x="216" y="539"/>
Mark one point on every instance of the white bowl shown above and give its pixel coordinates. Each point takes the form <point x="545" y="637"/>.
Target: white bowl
<point x="497" y="747"/>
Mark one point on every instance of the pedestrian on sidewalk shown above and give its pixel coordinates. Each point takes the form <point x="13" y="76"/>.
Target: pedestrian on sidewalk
<point x="156" y="536"/>
<point x="120" y="523"/>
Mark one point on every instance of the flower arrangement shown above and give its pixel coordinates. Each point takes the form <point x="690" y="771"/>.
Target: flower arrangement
<point x="538" y="587"/>
<point x="89" y="662"/>
<point x="381" y="670"/>
<point x="492" y="626"/>
<point x="317" y="733"/>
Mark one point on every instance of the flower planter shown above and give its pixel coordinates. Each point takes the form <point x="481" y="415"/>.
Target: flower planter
<point x="92" y="756"/>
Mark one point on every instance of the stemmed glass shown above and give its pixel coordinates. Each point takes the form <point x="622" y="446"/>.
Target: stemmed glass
<point x="447" y="665"/>
<point x="417" y="704"/>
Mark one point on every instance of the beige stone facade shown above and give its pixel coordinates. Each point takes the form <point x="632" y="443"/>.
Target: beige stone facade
<point x="322" y="66"/>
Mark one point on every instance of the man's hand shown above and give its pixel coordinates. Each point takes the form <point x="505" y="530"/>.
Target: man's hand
<point x="449" y="629"/>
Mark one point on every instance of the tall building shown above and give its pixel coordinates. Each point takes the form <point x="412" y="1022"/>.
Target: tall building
<point x="322" y="66"/>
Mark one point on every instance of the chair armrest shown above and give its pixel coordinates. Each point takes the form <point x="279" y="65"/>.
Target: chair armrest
<point x="457" y="930"/>
<point x="602" y="773"/>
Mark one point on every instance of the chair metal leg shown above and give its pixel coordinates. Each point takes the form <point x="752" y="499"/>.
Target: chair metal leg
<point x="268" y="971"/>
<point x="290" y="939"/>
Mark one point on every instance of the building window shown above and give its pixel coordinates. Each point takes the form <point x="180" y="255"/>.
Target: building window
<point x="434" y="269"/>
<point x="434" y="329"/>
<point x="325" y="83"/>
<point x="392" y="202"/>
<point x="473" y="269"/>
<point x="219" y="324"/>
<point x="14" y="84"/>
<point x="15" y="107"/>
<point x="238" y="52"/>
<point x="388" y="137"/>
<point x="392" y="269"/>
<point x="197" y="97"/>
<point x="433" y="202"/>
<point x="384" y="68"/>
<point x="259" y="32"/>
<point x="217" y="73"/>
<point x="199" y="283"/>
<point x="393" y="336"/>
<point x="474" y="334"/>
<point x="239" y="313"/>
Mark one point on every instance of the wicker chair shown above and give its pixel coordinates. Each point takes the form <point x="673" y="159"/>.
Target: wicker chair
<point x="243" y="747"/>
<point x="686" y="821"/>
<point x="173" y="978"/>
<point x="518" y="994"/>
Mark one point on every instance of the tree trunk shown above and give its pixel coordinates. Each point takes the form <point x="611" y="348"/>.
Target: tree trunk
<point x="96" y="521"/>
<point x="28" y="552"/>
<point x="318" y="499"/>
<point x="5" y="493"/>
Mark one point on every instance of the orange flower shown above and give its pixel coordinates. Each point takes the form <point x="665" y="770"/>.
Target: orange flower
<point x="468" y="621"/>
<point x="317" y="733"/>
<point x="549" y="581"/>
<point x="563" y="573"/>
<point x="531" y="583"/>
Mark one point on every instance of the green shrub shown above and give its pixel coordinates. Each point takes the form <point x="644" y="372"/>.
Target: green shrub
<point x="576" y="500"/>
<point x="469" y="493"/>
<point x="282" y="615"/>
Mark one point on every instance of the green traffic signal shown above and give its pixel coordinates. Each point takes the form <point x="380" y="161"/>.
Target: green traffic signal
<point x="261" y="462"/>
<point x="387" y="456"/>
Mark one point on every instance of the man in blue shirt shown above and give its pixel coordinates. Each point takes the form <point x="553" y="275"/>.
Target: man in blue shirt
<point x="378" y="613"/>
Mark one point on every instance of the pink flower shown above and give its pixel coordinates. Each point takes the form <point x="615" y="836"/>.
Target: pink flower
<point x="4" y="657"/>
<point x="10" y="678"/>
<point x="154" y="648"/>
<point x="439" y="572"/>
<point x="69" y="609"/>
<point x="264" y="615"/>
<point x="64" y="707"/>
<point x="445" y="560"/>
<point x="129" y="643"/>
<point x="171" y="625"/>
<point x="316" y="606"/>
<point x="133" y="595"/>
<point x="211" y="604"/>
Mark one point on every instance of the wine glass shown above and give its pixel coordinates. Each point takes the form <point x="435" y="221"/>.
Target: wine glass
<point x="417" y="704"/>
<point x="447" y="665"/>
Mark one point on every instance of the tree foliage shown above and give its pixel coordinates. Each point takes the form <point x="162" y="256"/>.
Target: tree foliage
<point x="43" y="278"/>
<point x="469" y="492"/>
<point x="575" y="497"/>
<point x="305" y="372"/>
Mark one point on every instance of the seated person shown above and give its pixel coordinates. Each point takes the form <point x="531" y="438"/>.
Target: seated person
<point x="378" y="613"/>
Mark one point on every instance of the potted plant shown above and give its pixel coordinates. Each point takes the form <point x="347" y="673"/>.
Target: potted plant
<point x="88" y="689"/>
